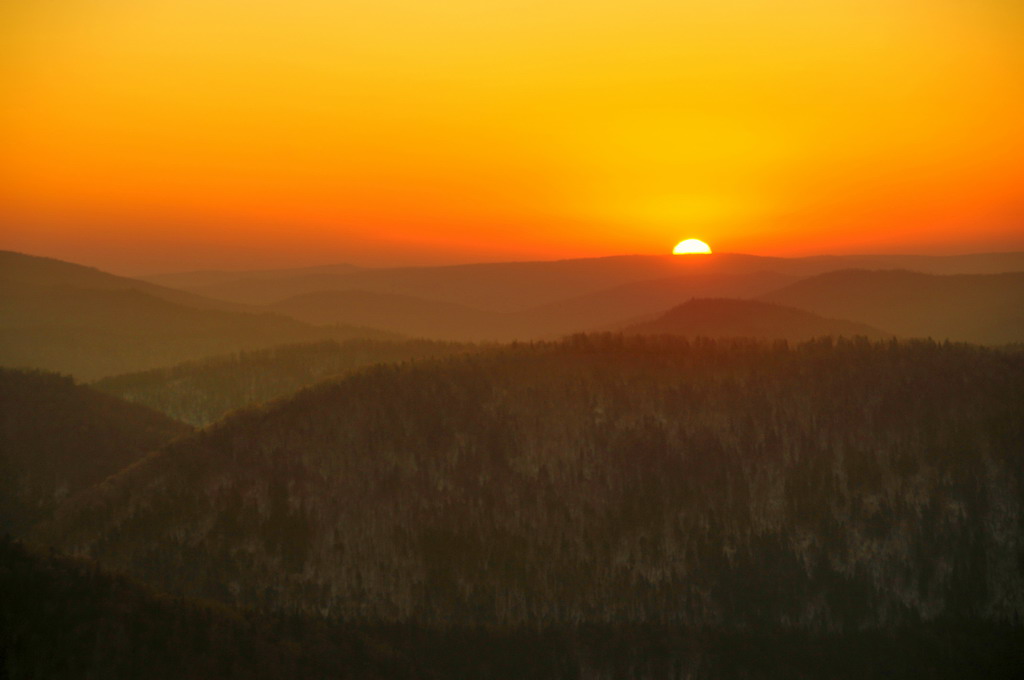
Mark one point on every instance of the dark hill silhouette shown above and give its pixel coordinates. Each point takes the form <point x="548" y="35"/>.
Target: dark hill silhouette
<point x="641" y="481"/>
<point x="71" y="319"/>
<point x="200" y="392"/>
<point x="725" y="318"/>
<point x="57" y="438"/>
<point x="987" y="309"/>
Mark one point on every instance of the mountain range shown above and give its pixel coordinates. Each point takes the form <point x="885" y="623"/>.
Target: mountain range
<point x="638" y="467"/>
<point x="968" y="298"/>
<point x="78" y="320"/>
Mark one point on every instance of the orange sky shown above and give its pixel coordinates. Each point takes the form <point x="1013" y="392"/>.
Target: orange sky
<point x="147" y="135"/>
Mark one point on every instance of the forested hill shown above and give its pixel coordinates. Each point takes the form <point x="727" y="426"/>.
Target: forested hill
<point x="736" y="486"/>
<point x="200" y="392"/>
<point x="726" y="318"/>
<point x="57" y="438"/>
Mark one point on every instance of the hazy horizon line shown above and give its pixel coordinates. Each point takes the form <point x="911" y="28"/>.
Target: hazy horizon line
<point x="132" y="272"/>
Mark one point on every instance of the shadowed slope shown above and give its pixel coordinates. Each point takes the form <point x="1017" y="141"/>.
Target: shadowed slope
<point x="57" y="438"/>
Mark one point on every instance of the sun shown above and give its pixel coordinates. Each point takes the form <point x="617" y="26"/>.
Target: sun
<point x="691" y="246"/>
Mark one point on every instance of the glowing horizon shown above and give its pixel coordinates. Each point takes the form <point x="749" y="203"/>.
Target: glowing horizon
<point x="159" y="135"/>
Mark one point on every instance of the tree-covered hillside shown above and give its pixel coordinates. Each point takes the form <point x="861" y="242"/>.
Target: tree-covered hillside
<point x="831" y="487"/>
<point x="200" y="392"/>
<point x="57" y="438"/>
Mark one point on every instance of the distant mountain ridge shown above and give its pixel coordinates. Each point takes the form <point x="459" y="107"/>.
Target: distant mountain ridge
<point x="524" y="300"/>
<point x="518" y="286"/>
<point x="416" y="316"/>
<point x="65" y="317"/>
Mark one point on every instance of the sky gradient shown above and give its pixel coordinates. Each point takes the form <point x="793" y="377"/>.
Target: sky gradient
<point x="155" y="135"/>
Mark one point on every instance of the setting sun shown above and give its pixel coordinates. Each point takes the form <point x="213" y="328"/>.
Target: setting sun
<point x="159" y="134"/>
<point x="691" y="246"/>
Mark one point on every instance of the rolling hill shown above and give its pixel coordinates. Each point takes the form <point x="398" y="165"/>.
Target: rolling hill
<point x="982" y="308"/>
<point x="725" y="318"/>
<point x="20" y="270"/>
<point x="61" y="317"/>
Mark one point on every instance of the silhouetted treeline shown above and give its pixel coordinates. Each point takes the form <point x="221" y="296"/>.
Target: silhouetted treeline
<point x="648" y="481"/>
<point x="200" y="392"/>
<point x="57" y="438"/>
<point x="66" y="618"/>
